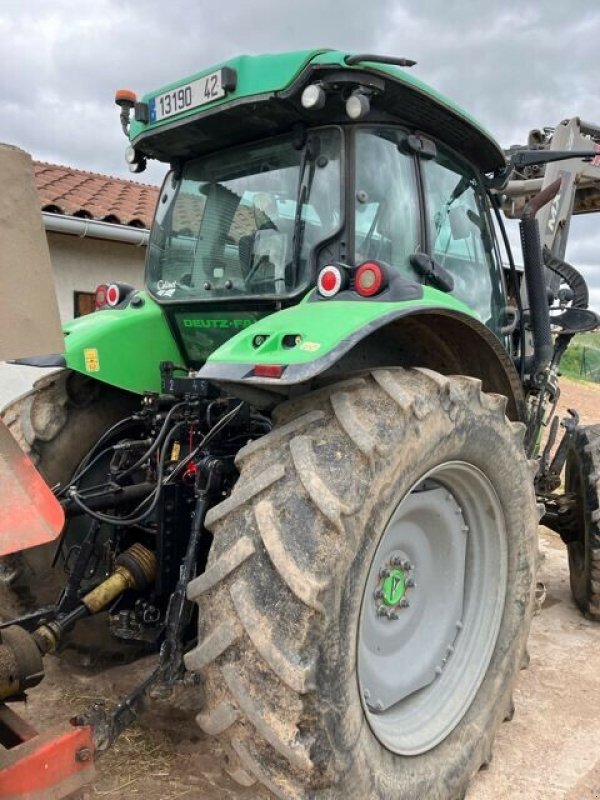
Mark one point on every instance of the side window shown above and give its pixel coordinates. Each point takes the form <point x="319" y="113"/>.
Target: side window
<point x="461" y="236"/>
<point x="386" y="200"/>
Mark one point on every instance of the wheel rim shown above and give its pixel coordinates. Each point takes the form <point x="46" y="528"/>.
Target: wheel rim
<point x="432" y="608"/>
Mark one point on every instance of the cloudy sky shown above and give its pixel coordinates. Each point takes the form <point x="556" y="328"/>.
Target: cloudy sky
<point x="515" y="65"/>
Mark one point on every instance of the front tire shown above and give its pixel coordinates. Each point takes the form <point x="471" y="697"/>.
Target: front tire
<point x="282" y="603"/>
<point x="582" y="478"/>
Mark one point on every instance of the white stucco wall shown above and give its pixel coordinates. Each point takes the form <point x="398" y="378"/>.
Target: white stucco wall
<point x="80" y="264"/>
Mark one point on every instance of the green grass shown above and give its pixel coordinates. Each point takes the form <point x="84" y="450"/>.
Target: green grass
<point x="582" y="359"/>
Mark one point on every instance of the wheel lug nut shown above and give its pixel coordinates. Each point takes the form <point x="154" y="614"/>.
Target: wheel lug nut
<point x="384" y="572"/>
<point x="382" y="611"/>
<point x="377" y="594"/>
<point x="404" y="603"/>
<point x="410" y="583"/>
<point x="406" y="565"/>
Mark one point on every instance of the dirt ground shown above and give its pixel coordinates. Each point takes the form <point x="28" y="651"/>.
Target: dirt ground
<point x="550" y="751"/>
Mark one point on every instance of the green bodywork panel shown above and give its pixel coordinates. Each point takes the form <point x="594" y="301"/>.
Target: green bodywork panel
<point x="202" y="331"/>
<point x="256" y="75"/>
<point x="317" y="328"/>
<point x="265" y="76"/>
<point x="122" y="347"/>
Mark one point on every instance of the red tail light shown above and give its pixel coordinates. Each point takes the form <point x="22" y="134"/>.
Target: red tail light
<point x="113" y="295"/>
<point x="100" y="296"/>
<point x="332" y="279"/>
<point x="369" y="279"/>
<point x="268" y="371"/>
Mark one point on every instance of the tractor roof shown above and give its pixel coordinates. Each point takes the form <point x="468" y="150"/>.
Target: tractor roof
<point x="261" y="97"/>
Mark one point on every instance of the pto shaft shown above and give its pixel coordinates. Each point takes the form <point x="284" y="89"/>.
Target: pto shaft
<point x="21" y="652"/>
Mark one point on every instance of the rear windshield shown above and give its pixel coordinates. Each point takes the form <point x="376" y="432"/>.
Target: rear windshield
<point x="244" y="222"/>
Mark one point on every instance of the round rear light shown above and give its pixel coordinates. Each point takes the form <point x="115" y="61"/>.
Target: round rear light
<point x="100" y="296"/>
<point x="331" y="280"/>
<point x="369" y="279"/>
<point x="113" y="295"/>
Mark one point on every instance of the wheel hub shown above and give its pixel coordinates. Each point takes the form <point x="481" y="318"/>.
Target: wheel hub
<point x="396" y="582"/>
<point x="422" y="652"/>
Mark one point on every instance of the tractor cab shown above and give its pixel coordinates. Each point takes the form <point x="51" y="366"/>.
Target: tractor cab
<point x="340" y="161"/>
<point x="262" y="220"/>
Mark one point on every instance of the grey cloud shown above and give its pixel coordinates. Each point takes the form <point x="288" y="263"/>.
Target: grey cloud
<point x="513" y="65"/>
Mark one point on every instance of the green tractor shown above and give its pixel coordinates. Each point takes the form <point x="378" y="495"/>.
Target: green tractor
<point x="302" y="465"/>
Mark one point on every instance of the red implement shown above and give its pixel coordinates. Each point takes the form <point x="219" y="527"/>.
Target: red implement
<point x="29" y="512"/>
<point x="45" y="766"/>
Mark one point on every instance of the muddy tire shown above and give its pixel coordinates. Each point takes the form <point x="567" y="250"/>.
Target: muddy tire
<point x="56" y="424"/>
<point x="583" y="479"/>
<point x="290" y="597"/>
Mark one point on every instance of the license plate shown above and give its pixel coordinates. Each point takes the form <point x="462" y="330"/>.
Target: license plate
<point x="197" y="93"/>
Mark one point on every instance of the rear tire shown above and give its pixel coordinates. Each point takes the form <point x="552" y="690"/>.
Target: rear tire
<point x="582" y="478"/>
<point x="56" y="424"/>
<point x="280" y="602"/>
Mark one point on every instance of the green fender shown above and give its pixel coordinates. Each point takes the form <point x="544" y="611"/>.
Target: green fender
<point x="307" y="338"/>
<point x="122" y="347"/>
<point x="302" y="343"/>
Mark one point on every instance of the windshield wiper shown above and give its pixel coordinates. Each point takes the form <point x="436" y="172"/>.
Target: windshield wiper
<point x="301" y="197"/>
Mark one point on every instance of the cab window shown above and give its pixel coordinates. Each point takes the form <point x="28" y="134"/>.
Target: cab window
<point x="386" y="200"/>
<point x="461" y="237"/>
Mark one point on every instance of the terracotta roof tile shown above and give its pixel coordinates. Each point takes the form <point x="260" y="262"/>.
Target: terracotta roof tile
<point x="64" y="190"/>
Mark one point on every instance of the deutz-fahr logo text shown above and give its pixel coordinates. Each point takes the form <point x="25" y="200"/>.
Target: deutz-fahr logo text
<point x="237" y="324"/>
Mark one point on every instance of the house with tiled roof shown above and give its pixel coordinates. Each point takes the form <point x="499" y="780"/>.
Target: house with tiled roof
<point x="97" y="230"/>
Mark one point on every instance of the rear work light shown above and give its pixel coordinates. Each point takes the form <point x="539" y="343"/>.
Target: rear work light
<point x="332" y="279"/>
<point x="370" y="279"/>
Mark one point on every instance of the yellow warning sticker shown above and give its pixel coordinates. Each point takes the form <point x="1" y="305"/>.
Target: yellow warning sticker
<point x="310" y="346"/>
<point x="92" y="361"/>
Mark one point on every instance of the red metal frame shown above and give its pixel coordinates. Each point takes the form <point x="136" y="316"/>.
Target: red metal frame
<point x="30" y="513"/>
<point x="43" y="766"/>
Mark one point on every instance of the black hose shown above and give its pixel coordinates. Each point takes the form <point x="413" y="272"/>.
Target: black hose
<point x="537" y="295"/>
<point x="155" y="444"/>
<point x="536" y="280"/>
<point x="574" y="279"/>
<point x="153" y="497"/>
<point x="84" y="464"/>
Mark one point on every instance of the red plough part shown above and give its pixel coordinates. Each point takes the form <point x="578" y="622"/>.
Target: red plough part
<point x="43" y="766"/>
<point x="30" y="513"/>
